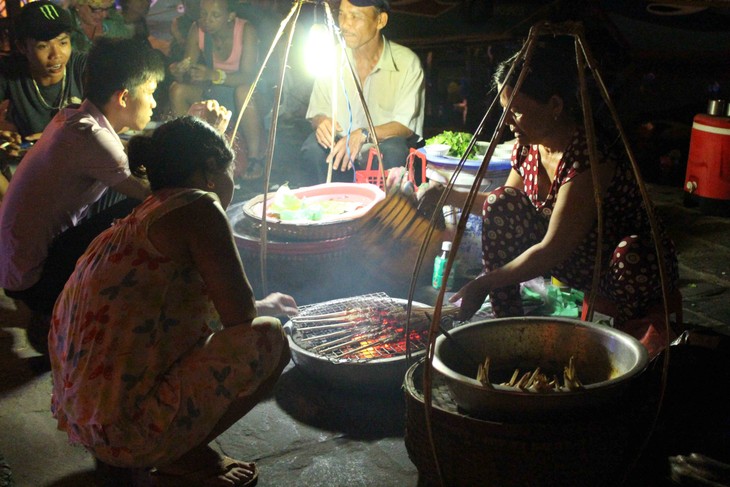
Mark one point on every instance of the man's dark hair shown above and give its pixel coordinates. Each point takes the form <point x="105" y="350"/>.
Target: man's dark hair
<point x="118" y="64"/>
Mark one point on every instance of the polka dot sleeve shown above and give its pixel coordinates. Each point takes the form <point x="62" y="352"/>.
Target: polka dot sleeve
<point x="575" y="159"/>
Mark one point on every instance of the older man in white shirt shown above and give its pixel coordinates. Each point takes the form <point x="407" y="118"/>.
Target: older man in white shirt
<point x="392" y="81"/>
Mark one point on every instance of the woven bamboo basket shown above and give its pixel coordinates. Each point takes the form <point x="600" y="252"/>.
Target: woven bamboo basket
<point x="591" y="451"/>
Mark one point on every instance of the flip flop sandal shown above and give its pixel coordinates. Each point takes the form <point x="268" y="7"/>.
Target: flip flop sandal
<point x="198" y="478"/>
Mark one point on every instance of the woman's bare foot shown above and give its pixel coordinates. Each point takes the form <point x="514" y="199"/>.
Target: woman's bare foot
<point x="204" y="466"/>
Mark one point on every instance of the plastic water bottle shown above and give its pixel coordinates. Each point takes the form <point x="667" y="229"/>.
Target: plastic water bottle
<point x="439" y="265"/>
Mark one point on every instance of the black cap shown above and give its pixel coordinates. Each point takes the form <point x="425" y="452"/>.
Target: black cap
<point x="42" y="20"/>
<point x="381" y="4"/>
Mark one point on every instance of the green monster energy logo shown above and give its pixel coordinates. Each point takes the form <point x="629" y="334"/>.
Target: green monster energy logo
<point x="49" y="12"/>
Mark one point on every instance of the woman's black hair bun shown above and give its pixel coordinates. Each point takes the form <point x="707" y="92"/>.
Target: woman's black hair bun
<point x="139" y="150"/>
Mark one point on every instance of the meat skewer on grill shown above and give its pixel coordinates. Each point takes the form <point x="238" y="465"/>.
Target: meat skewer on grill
<point x="362" y="327"/>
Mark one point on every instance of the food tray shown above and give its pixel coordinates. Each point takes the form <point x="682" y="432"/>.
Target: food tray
<point x="500" y="159"/>
<point x="334" y="226"/>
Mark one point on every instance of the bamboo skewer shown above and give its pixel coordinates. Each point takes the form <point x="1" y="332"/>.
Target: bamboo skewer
<point x="328" y="316"/>
<point x="332" y="343"/>
<point x="334" y="325"/>
<point x="349" y="339"/>
<point x="326" y="336"/>
<point x="358" y="339"/>
<point x="370" y="345"/>
<point x="334" y="319"/>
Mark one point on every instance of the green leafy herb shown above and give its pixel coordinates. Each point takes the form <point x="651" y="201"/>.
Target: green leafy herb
<point x="458" y="141"/>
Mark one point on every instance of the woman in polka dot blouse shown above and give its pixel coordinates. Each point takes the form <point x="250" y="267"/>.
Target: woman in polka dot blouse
<point x="543" y="221"/>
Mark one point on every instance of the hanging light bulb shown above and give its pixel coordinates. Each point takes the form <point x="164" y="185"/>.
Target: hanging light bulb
<point x="320" y="51"/>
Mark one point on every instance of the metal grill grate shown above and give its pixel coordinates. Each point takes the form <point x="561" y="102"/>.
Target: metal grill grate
<point x="360" y="328"/>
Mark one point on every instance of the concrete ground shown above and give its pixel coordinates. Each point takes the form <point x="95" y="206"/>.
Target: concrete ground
<point x="307" y="433"/>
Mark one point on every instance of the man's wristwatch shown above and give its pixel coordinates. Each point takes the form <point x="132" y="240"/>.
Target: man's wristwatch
<point x="366" y="133"/>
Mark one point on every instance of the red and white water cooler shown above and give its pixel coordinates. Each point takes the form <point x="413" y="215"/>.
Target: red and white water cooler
<point x="707" y="182"/>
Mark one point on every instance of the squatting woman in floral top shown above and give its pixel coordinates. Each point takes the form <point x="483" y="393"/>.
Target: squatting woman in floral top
<point x="155" y="343"/>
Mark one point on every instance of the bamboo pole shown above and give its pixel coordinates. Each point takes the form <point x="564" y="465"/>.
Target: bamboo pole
<point x="583" y="58"/>
<point x="335" y="77"/>
<point x="526" y="53"/>
<point x="294" y="14"/>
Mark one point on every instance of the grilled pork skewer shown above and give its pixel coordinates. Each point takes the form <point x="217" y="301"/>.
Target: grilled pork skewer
<point x="369" y="345"/>
<point x="329" y="316"/>
<point x="308" y="319"/>
<point x="358" y="338"/>
<point x="349" y="335"/>
<point x="327" y="327"/>
<point x="326" y="336"/>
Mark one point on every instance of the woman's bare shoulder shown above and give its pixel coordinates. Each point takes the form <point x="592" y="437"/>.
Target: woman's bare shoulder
<point x="176" y="232"/>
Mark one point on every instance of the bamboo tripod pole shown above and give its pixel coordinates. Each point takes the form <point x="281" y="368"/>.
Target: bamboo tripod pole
<point x="293" y="14"/>
<point x="583" y="58"/>
<point x="658" y="246"/>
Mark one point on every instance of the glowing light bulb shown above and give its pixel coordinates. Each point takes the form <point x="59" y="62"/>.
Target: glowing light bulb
<point x="320" y="51"/>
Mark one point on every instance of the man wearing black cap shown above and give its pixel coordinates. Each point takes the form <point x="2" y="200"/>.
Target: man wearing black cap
<point x="392" y="83"/>
<point x="44" y="75"/>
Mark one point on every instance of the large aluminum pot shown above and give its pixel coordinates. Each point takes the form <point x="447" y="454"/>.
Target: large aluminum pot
<point x="606" y="360"/>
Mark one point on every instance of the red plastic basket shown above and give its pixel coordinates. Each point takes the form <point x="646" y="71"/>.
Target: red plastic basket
<point x="373" y="176"/>
<point x="370" y="175"/>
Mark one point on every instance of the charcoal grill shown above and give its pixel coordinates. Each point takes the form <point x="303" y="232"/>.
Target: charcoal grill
<point x="359" y="342"/>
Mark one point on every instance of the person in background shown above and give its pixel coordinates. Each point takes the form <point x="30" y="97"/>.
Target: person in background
<point x="173" y="349"/>
<point x="543" y="221"/>
<point x="41" y="76"/>
<point x="94" y="18"/>
<point x="180" y="27"/>
<point x="393" y="85"/>
<point x="220" y="64"/>
<point x="78" y="157"/>
<point x="134" y="13"/>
